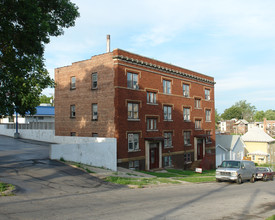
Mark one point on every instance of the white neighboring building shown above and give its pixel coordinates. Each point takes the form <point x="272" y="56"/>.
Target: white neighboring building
<point x="43" y="114"/>
<point x="253" y="125"/>
<point x="229" y="147"/>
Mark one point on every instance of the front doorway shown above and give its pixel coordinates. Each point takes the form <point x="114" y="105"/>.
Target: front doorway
<point x="154" y="155"/>
<point x="200" y="148"/>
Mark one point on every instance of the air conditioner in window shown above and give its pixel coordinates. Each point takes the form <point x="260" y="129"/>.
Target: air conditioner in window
<point x="136" y="86"/>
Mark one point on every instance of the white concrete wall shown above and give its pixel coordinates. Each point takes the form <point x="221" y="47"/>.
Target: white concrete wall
<point x="101" y="152"/>
<point x="38" y="135"/>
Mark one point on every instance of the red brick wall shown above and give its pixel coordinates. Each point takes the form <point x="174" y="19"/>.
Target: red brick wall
<point x="83" y="97"/>
<point x="152" y="80"/>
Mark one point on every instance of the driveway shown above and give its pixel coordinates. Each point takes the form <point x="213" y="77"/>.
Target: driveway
<point x="26" y="164"/>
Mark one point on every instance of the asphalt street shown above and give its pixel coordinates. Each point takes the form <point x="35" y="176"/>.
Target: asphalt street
<point x="53" y="190"/>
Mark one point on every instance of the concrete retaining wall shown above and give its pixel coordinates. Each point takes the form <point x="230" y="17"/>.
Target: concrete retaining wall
<point x="100" y="152"/>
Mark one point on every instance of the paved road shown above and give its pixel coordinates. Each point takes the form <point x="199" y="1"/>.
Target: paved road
<point x="51" y="190"/>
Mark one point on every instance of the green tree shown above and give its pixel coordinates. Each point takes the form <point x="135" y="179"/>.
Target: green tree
<point x="217" y="117"/>
<point x="259" y="116"/>
<point x="232" y="112"/>
<point x="45" y="99"/>
<point x="25" y="27"/>
<point x="270" y="114"/>
<point x="247" y="110"/>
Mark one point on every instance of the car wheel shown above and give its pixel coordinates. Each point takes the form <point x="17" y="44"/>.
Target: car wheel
<point x="239" y="180"/>
<point x="252" y="179"/>
<point x="265" y="178"/>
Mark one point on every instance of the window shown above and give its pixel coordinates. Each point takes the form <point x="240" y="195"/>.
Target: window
<point x="133" y="142"/>
<point x="197" y="124"/>
<point x="208" y="115"/>
<point x="72" y="111"/>
<point x="186" y="114"/>
<point x="94" y="112"/>
<point x="132" y="80"/>
<point x="94" y="80"/>
<point x="151" y="124"/>
<point x="185" y="88"/>
<point x="73" y="80"/>
<point x="167" y="110"/>
<point x="134" y="164"/>
<point x="197" y="103"/>
<point x="208" y="137"/>
<point x="187" y="157"/>
<point x="73" y="133"/>
<point x="207" y="94"/>
<point x="94" y="134"/>
<point x="166" y="86"/>
<point x="168" y="139"/>
<point x="132" y="111"/>
<point x="167" y="161"/>
<point x="151" y="97"/>
<point x="187" y="137"/>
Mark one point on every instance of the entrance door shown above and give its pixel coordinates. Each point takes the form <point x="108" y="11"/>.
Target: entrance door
<point x="154" y="156"/>
<point x="200" y="148"/>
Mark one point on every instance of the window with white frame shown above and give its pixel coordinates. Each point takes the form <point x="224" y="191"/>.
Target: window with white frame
<point x="168" y="139"/>
<point x="132" y="80"/>
<point x="134" y="165"/>
<point x="187" y="157"/>
<point x="167" y="161"/>
<point x="72" y="111"/>
<point x="133" y="142"/>
<point x="208" y="115"/>
<point x="151" y="124"/>
<point x="186" y="88"/>
<point x="207" y="94"/>
<point x="187" y="137"/>
<point x="198" y="124"/>
<point x="73" y="80"/>
<point x="132" y="110"/>
<point x="186" y="114"/>
<point x="197" y="103"/>
<point x="166" y="86"/>
<point x="94" y="80"/>
<point x="94" y="112"/>
<point x="167" y="111"/>
<point x="151" y="98"/>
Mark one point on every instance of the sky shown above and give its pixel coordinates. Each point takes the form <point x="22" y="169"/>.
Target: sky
<point x="232" y="41"/>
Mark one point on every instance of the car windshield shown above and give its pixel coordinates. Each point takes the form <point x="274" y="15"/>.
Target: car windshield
<point x="230" y="164"/>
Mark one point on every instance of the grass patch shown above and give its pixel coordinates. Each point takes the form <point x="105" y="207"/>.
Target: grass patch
<point x="88" y="170"/>
<point x="271" y="217"/>
<point x="180" y="173"/>
<point x="6" y="189"/>
<point x="198" y="179"/>
<point x="140" y="182"/>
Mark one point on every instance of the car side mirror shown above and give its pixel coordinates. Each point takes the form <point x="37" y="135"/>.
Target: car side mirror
<point x="242" y="167"/>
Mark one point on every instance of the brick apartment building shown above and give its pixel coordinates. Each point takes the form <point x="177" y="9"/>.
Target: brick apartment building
<point x="162" y="115"/>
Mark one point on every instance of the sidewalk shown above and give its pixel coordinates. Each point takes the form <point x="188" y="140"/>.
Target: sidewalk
<point x="121" y="172"/>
